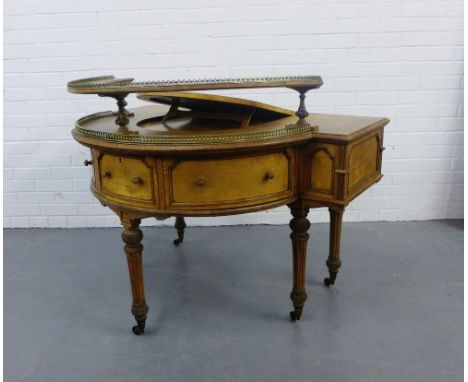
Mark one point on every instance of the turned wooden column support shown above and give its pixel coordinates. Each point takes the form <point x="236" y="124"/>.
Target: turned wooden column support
<point x="334" y="261"/>
<point x="299" y="237"/>
<point x="180" y="227"/>
<point x="122" y="113"/>
<point x="133" y="248"/>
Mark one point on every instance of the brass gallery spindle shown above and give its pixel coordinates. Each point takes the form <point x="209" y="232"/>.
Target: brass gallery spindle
<point x="122" y="113"/>
<point x="302" y="112"/>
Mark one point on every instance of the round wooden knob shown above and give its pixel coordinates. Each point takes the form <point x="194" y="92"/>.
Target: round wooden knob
<point x="200" y="182"/>
<point x="107" y="174"/>
<point x="88" y="162"/>
<point x="269" y="175"/>
<point x="137" y="180"/>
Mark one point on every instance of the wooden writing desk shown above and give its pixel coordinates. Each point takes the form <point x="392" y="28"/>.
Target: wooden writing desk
<point x="194" y="154"/>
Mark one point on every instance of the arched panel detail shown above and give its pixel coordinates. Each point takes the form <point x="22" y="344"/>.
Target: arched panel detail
<point x="322" y="168"/>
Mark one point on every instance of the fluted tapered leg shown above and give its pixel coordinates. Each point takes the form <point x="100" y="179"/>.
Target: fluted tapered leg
<point x="180" y="227"/>
<point x="299" y="237"/>
<point x="334" y="261"/>
<point x="133" y="248"/>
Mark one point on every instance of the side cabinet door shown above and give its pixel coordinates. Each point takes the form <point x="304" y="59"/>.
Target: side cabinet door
<point x="323" y="175"/>
<point x="364" y="162"/>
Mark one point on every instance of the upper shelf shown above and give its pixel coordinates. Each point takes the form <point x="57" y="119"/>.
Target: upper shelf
<point x="107" y="85"/>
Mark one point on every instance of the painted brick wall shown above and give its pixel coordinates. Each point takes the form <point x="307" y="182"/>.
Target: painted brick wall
<point x="400" y="59"/>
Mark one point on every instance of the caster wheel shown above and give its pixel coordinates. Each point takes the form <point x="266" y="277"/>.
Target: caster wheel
<point x="295" y="316"/>
<point x="327" y="282"/>
<point x="138" y="329"/>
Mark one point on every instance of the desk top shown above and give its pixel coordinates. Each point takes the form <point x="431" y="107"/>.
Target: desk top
<point x="150" y="126"/>
<point x="188" y="121"/>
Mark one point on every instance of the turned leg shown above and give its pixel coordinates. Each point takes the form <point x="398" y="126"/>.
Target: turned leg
<point x="180" y="227"/>
<point x="334" y="261"/>
<point x="299" y="237"/>
<point x="133" y="248"/>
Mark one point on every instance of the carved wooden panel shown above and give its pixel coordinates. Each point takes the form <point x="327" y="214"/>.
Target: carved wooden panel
<point x="363" y="162"/>
<point x="323" y="171"/>
<point x="322" y="166"/>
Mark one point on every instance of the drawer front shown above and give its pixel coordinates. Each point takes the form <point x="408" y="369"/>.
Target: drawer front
<point x="229" y="181"/>
<point x="324" y="173"/>
<point x="124" y="177"/>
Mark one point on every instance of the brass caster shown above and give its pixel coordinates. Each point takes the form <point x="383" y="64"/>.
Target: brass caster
<point x="295" y="315"/>
<point x="329" y="281"/>
<point x="139" y="328"/>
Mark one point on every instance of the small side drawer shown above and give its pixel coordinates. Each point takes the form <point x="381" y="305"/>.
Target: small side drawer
<point x="124" y="177"/>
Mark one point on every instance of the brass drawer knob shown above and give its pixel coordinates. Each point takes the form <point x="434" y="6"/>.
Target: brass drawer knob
<point x="107" y="174"/>
<point x="88" y="162"/>
<point x="137" y="180"/>
<point x="200" y="182"/>
<point x="269" y="175"/>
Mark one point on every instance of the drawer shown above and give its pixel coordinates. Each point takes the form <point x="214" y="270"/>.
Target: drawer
<point x="124" y="177"/>
<point x="233" y="181"/>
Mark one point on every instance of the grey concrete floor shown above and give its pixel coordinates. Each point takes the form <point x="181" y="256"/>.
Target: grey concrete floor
<point x="219" y="306"/>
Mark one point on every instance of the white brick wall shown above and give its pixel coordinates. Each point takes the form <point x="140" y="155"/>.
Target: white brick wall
<point x="394" y="58"/>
